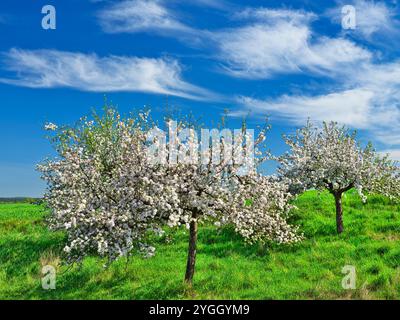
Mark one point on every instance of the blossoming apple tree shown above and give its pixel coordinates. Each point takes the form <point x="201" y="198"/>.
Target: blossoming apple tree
<point x="101" y="189"/>
<point x="219" y="181"/>
<point x="332" y="159"/>
<point x="115" y="181"/>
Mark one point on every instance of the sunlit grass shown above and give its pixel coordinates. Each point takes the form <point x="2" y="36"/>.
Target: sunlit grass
<point x="226" y="267"/>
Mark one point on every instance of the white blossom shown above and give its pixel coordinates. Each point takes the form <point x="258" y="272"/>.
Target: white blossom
<point x="332" y="159"/>
<point x="50" y="126"/>
<point x="109" y="194"/>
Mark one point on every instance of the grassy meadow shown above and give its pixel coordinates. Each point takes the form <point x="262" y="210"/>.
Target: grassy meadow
<point x="226" y="267"/>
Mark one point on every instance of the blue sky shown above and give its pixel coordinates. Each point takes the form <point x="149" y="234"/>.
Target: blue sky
<point x="290" y="60"/>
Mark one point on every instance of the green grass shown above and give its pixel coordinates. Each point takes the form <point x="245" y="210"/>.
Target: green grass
<point x="226" y="267"/>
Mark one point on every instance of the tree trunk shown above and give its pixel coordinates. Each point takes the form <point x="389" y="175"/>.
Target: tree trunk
<point x="191" y="259"/>
<point x="339" y="213"/>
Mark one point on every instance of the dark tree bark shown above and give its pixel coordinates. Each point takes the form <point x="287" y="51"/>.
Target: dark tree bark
<point x="339" y="212"/>
<point x="191" y="259"/>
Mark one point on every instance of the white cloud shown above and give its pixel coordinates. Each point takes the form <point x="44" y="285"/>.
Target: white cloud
<point x="281" y="41"/>
<point x="216" y="4"/>
<point x="89" y="72"/>
<point x="351" y="107"/>
<point x="132" y="16"/>
<point x="377" y="74"/>
<point x="259" y="51"/>
<point x="269" y="41"/>
<point x="393" y="153"/>
<point x="370" y="102"/>
<point x="267" y="14"/>
<point x="372" y="17"/>
<point x="153" y="17"/>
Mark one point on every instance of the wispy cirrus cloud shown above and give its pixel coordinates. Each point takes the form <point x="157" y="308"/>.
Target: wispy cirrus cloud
<point x="352" y="107"/>
<point x="269" y="41"/>
<point x="152" y="17"/>
<point x="268" y="14"/>
<point x="281" y="41"/>
<point x="369" y="99"/>
<point x="365" y="94"/>
<point x="394" y="154"/>
<point x="215" y="4"/>
<point x="89" y="72"/>
<point x="131" y="16"/>
<point x="372" y="18"/>
<point x="262" y="51"/>
<point x="265" y="42"/>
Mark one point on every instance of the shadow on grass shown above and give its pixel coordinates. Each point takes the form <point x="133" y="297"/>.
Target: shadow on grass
<point x="225" y="242"/>
<point x="21" y="255"/>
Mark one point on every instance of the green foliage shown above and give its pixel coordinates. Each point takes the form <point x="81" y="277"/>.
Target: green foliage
<point x="227" y="268"/>
<point x="248" y="202"/>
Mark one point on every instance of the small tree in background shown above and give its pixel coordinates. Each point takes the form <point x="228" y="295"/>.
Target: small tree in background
<point x="332" y="159"/>
<point x="115" y="182"/>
